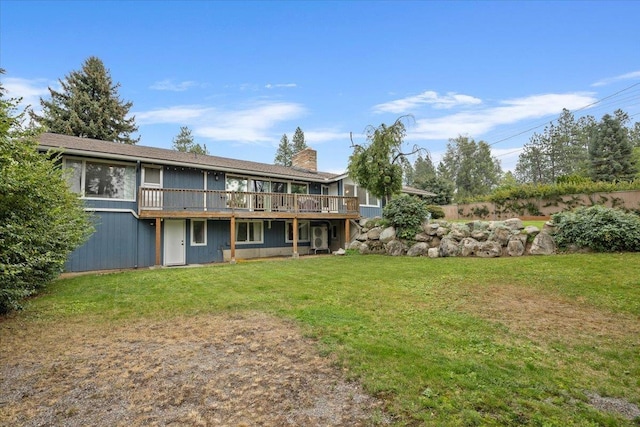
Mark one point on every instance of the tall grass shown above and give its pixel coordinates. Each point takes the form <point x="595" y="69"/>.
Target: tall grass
<point x="424" y="334"/>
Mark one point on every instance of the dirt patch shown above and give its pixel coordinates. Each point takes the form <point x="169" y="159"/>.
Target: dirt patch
<point x="207" y="370"/>
<point x="546" y="317"/>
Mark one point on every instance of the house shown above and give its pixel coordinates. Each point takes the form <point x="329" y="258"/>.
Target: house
<point x="156" y="206"/>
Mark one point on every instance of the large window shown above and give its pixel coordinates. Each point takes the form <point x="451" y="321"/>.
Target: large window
<point x="364" y="197"/>
<point x="303" y="231"/>
<point x="102" y="180"/>
<point x="298" y="188"/>
<point x="249" y="232"/>
<point x="198" y="232"/>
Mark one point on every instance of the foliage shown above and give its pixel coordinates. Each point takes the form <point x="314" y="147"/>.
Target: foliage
<point x="598" y="228"/>
<point x="378" y="166"/>
<point x="559" y="150"/>
<point x="88" y="106"/>
<point x="406" y="213"/>
<point x="424" y="176"/>
<point x="297" y="142"/>
<point x="610" y="151"/>
<point x="284" y="153"/>
<point x="436" y="211"/>
<point x="41" y="220"/>
<point x="470" y="166"/>
<point x="421" y="335"/>
<point x="185" y="143"/>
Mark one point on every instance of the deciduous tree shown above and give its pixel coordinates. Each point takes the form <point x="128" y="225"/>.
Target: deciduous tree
<point x="88" y="106"/>
<point x="41" y="220"/>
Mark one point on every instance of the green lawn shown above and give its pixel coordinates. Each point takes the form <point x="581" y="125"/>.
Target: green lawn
<point x="448" y="341"/>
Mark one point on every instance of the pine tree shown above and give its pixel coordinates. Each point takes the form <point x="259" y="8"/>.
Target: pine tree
<point x="185" y="143"/>
<point x="88" y="106"/>
<point x="284" y="153"/>
<point x="298" y="141"/>
<point x="610" y="152"/>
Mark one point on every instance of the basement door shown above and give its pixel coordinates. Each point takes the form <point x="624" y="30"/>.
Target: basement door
<point x="174" y="236"/>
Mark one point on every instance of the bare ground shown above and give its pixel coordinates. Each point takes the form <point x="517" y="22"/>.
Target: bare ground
<point x="251" y="370"/>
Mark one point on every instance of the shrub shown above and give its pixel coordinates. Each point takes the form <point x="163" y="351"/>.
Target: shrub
<point x="598" y="228"/>
<point x="406" y="213"/>
<point x="436" y="211"/>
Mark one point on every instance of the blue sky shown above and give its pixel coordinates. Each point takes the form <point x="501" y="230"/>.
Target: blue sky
<point x="241" y="74"/>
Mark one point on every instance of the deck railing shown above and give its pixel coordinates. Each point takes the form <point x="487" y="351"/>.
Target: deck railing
<point x="170" y="199"/>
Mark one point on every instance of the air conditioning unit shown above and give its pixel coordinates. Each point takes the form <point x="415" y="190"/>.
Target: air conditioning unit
<point x="319" y="239"/>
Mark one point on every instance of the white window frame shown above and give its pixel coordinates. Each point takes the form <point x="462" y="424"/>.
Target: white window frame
<point x="193" y="241"/>
<point x="83" y="175"/>
<point x="249" y="224"/>
<point x="367" y="195"/>
<point x="151" y="185"/>
<point x="301" y="225"/>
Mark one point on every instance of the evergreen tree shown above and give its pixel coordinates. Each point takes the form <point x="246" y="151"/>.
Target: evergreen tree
<point x="610" y="152"/>
<point x="426" y="177"/>
<point x="470" y="166"/>
<point x="298" y="143"/>
<point x="88" y="106"/>
<point x="41" y="220"/>
<point x="284" y="153"/>
<point x="185" y="143"/>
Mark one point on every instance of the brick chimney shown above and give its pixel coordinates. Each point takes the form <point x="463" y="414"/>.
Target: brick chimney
<point x="306" y="159"/>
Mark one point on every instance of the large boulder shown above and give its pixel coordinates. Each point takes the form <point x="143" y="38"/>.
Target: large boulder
<point x="387" y="235"/>
<point x="356" y="245"/>
<point x="374" y="233"/>
<point x="543" y="244"/>
<point x="431" y="229"/>
<point x="423" y="237"/>
<point x="449" y="247"/>
<point x="531" y="230"/>
<point x="514" y="223"/>
<point x="373" y="247"/>
<point x="500" y="234"/>
<point x="362" y="237"/>
<point x="433" y="253"/>
<point x="419" y="249"/>
<point x="516" y="246"/>
<point x="469" y="246"/>
<point x="489" y="250"/>
<point x="396" y="248"/>
<point x="459" y="232"/>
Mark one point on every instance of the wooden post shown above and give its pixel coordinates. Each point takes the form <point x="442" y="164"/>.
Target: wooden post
<point x="347" y="232"/>
<point x="295" y="237"/>
<point x="233" y="239"/>
<point x="158" y="240"/>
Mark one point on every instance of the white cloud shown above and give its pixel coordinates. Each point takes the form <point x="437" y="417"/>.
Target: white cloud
<point x="272" y="86"/>
<point x="245" y="125"/>
<point x="634" y="75"/>
<point x="319" y="136"/>
<point x="169" y="85"/>
<point x="479" y="122"/>
<point x="406" y="105"/>
<point x="29" y="90"/>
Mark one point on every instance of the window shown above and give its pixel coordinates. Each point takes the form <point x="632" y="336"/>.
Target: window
<point x="249" y="232"/>
<point x="365" y="198"/>
<point x="198" y="232"/>
<point x="101" y="180"/>
<point x="151" y="177"/>
<point x="297" y="188"/>
<point x="303" y="231"/>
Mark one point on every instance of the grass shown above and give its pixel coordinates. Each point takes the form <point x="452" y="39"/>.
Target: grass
<point x="449" y="341"/>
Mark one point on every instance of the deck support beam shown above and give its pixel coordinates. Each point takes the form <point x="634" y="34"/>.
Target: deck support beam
<point x="232" y="232"/>
<point x="158" y="240"/>
<point x="295" y="237"/>
<point x="347" y="233"/>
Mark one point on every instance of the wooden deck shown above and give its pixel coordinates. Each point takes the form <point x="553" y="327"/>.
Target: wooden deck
<point x="185" y="203"/>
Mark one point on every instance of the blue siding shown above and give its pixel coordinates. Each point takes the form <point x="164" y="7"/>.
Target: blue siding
<point x="212" y="184"/>
<point x="217" y="236"/>
<point x="112" y="246"/>
<point x="187" y="178"/>
<point x="370" y="211"/>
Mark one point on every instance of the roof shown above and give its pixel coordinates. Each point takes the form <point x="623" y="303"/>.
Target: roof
<point x="417" y="192"/>
<point x="114" y="150"/>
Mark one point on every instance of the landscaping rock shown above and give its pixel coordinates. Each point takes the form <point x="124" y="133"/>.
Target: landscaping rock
<point x="469" y="246"/>
<point x="419" y="249"/>
<point x="449" y="247"/>
<point x="489" y="250"/>
<point x="396" y="248"/>
<point x="374" y="233"/>
<point x="543" y="244"/>
<point x="387" y="235"/>
<point x="514" y="223"/>
<point x="433" y="253"/>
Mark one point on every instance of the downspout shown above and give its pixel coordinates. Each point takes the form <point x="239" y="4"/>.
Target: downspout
<point x="138" y="176"/>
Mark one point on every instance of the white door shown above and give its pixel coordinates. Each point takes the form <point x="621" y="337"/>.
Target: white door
<point x="174" y="235"/>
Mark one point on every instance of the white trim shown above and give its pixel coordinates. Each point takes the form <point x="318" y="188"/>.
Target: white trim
<point x="116" y="210"/>
<point x="83" y="176"/>
<point x="251" y="242"/>
<point x="300" y="225"/>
